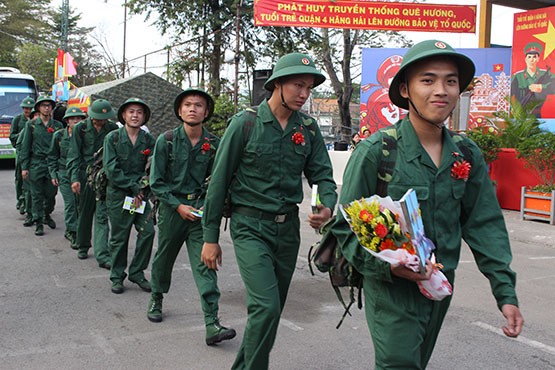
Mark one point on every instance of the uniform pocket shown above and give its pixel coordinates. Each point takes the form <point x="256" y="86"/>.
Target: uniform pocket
<point x="459" y="187"/>
<point x="260" y="157"/>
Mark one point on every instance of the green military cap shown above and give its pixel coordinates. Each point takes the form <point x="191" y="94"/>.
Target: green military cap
<point x="73" y="112"/>
<point x="533" y="48"/>
<point x="294" y="64"/>
<point x="429" y="49"/>
<point x="194" y="91"/>
<point x="101" y="109"/>
<point x="42" y="99"/>
<point x="133" y="101"/>
<point x="28" y="102"/>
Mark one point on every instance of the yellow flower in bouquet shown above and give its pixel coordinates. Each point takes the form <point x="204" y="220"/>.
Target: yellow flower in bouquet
<point x="377" y="228"/>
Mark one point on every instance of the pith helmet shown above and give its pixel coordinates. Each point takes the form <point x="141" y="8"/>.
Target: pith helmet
<point x="43" y="99"/>
<point x="28" y="102"/>
<point x="101" y="109"/>
<point x="194" y="91"/>
<point x="73" y="112"/>
<point x="429" y="49"/>
<point x="294" y="64"/>
<point x="133" y="101"/>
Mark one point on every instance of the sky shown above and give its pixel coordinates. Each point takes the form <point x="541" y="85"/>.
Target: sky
<point x="142" y="37"/>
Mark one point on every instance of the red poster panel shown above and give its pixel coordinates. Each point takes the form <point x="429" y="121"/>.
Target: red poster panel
<point x="533" y="60"/>
<point x="369" y="15"/>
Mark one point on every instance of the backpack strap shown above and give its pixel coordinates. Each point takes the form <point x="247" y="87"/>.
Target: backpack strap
<point x="387" y="161"/>
<point x="248" y="123"/>
<point x="389" y="155"/>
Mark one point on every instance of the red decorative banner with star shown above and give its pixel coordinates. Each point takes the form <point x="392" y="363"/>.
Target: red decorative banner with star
<point x="533" y="59"/>
<point x="369" y="15"/>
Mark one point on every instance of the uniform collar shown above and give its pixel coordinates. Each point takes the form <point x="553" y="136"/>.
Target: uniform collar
<point x="266" y="115"/>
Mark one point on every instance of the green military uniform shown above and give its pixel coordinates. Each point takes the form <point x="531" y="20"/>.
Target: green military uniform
<point x="57" y="160"/>
<point x="35" y="145"/>
<point x="265" y="191"/>
<point x="124" y="163"/>
<point x="404" y="324"/>
<point x="521" y="81"/>
<point x="27" y="206"/>
<point x="176" y="179"/>
<point x="85" y="141"/>
<point x="18" y="123"/>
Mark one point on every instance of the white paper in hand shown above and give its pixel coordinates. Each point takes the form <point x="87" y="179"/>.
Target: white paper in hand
<point x="129" y="206"/>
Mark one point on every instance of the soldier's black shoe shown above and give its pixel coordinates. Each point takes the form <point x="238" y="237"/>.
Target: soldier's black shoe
<point x="28" y="221"/>
<point x="154" y="312"/>
<point x="39" y="231"/>
<point x="215" y="333"/>
<point x="50" y="222"/>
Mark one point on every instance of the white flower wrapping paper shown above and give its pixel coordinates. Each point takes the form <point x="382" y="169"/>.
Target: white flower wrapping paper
<point x="437" y="287"/>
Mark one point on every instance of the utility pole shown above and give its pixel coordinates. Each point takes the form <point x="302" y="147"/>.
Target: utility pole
<point x="124" y="37"/>
<point x="237" y="51"/>
<point x="65" y="24"/>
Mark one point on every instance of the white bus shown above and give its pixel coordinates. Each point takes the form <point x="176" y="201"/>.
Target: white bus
<point x="14" y="87"/>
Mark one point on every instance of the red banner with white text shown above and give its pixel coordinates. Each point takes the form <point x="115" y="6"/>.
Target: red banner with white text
<point x="369" y="15"/>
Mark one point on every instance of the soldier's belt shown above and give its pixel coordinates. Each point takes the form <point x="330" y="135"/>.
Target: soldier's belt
<point x="278" y="218"/>
<point x="192" y="196"/>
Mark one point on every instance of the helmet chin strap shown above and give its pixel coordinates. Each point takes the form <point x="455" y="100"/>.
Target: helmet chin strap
<point x="437" y="125"/>
<point x="283" y="103"/>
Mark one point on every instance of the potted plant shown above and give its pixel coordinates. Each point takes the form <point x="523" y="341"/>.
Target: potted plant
<point x="509" y="171"/>
<point x="538" y="152"/>
<point x="488" y="140"/>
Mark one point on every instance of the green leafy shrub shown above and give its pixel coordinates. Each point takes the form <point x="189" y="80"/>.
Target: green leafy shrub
<point x="539" y="153"/>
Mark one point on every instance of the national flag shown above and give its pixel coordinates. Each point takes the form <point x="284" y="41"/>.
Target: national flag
<point x="59" y="65"/>
<point x="498" y="67"/>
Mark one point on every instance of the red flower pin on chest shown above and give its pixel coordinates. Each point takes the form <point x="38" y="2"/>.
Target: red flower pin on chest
<point x="50" y="130"/>
<point x="205" y="146"/>
<point x="146" y="152"/>
<point x="461" y="168"/>
<point x="298" y="138"/>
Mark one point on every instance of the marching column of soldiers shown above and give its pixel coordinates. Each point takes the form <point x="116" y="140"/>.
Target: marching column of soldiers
<point x="109" y="174"/>
<point x="54" y="155"/>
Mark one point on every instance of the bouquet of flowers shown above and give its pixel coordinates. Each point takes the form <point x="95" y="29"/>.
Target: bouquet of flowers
<point x="384" y="230"/>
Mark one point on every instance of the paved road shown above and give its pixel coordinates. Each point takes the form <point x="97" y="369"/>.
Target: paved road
<point x="57" y="312"/>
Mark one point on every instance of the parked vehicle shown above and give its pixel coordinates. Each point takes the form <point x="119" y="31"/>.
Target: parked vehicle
<point x="14" y="87"/>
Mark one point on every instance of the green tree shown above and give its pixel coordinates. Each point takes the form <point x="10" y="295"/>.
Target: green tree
<point x="87" y="58"/>
<point x="21" y="22"/>
<point x="210" y="21"/>
<point x="38" y="61"/>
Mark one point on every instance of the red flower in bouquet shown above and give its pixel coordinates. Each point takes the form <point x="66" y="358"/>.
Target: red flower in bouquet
<point x="298" y="138"/>
<point x="365" y="216"/>
<point x="50" y="130"/>
<point x="460" y="169"/>
<point x="146" y="152"/>
<point x="205" y="146"/>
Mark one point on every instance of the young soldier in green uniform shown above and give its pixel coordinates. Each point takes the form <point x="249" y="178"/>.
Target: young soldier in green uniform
<point x="403" y="323"/>
<point x="37" y="136"/>
<point x="88" y="137"/>
<point x="182" y="161"/>
<point x="263" y="170"/>
<point x="126" y="151"/>
<point x="57" y="160"/>
<point x="532" y="84"/>
<point x="18" y="123"/>
<point x="27" y="206"/>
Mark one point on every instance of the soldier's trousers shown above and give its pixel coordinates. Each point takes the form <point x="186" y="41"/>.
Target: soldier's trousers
<point x="121" y="222"/>
<point x="43" y="193"/>
<point x="266" y="254"/>
<point x="70" y="204"/>
<point x="403" y="323"/>
<point x="88" y="209"/>
<point x="173" y="231"/>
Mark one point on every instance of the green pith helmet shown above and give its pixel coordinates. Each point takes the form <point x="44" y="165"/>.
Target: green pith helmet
<point x="28" y="102"/>
<point x="133" y="101"/>
<point x="193" y="91"/>
<point x="101" y="109"/>
<point x="294" y="64"/>
<point x="73" y="112"/>
<point x="429" y="49"/>
<point x="43" y="99"/>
